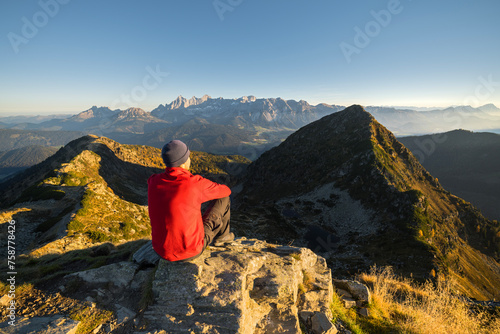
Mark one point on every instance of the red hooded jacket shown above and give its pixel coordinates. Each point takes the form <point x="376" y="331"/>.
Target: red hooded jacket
<point x="174" y="200"/>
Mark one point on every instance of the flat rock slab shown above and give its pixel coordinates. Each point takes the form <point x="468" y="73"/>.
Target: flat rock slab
<point x="119" y="274"/>
<point x="56" y="324"/>
<point x="248" y="286"/>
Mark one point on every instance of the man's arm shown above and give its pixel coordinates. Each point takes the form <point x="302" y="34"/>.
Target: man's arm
<point x="212" y="190"/>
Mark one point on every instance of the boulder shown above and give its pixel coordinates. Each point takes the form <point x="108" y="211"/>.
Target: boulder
<point x="364" y="312"/>
<point x="348" y="302"/>
<point x="343" y="293"/>
<point x="321" y="325"/>
<point x="5" y="300"/>
<point x="123" y="314"/>
<point x="118" y="274"/>
<point x="146" y="255"/>
<point x="359" y="291"/>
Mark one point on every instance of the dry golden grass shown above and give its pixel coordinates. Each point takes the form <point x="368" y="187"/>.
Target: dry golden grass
<point x="427" y="308"/>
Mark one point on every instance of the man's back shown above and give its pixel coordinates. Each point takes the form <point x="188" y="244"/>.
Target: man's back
<point x="174" y="199"/>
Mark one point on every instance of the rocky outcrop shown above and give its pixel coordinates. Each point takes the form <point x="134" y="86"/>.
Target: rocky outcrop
<point x="249" y="286"/>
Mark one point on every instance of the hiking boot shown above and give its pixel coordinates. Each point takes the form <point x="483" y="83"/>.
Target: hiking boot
<point x="220" y="241"/>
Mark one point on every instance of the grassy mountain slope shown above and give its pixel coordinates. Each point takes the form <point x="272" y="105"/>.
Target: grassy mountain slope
<point x="26" y="157"/>
<point x="18" y="159"/>
<point x="409" y="221"/>
<point x="13" y="139"/>
<point x="466" y="164"/>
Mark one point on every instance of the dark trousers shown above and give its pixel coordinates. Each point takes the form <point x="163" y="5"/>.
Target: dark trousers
<point x="215" y="222"/>
<point x="216" y="219"/>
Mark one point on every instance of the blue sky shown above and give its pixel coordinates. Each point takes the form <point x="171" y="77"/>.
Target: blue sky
<point x="67" y="55"/>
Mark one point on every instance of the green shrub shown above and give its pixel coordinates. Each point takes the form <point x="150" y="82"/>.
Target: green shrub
<point x="97" y="236"/>
<point x="74" y="179"/>
<point x="89" y="317"/>
<point x="75" y="226"/>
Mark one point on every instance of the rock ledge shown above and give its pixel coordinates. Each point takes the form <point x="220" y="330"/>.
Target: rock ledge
<point x="248" y="286"/>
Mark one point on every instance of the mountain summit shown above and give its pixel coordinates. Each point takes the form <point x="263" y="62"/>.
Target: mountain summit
<point x="345" y="187"/>
<point x="99" y="112"/>
<point x="182" y="102"/>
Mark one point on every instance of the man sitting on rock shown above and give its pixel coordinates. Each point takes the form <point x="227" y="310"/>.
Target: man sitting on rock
<point x="178" y="230"/>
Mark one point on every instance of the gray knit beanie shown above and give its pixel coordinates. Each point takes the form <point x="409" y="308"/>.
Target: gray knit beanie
<point x="175" y="153"/>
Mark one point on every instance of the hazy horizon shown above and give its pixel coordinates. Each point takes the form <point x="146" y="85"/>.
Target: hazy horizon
<point x="59" y="113"/>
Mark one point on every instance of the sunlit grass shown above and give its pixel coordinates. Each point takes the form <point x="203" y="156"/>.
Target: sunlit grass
<point x="404" y="306"/>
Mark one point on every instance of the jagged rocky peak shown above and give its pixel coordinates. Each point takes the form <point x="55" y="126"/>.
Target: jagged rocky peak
<point x="182" y="102"/>
<point x="95" y="112"/>
<point x="132" y="113"/>
<point x="245" y="99"/>
<point x="246" y="111"/>
<point x="301" y="103"/>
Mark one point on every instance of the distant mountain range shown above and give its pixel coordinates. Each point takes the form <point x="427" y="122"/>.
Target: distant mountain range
<point x="246" y="125"/>
<point x="248" y="112"/>
<point x="403" y="122"/>
<point x="6" y="120"/>
<point x="245" y="113"/>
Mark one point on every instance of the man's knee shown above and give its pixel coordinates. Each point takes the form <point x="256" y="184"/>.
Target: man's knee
<point x="222" y="205"/>
<point x="225" y="201"/>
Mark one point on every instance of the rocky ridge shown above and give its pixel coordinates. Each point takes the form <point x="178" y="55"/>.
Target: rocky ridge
<point x="92" y="191"/>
